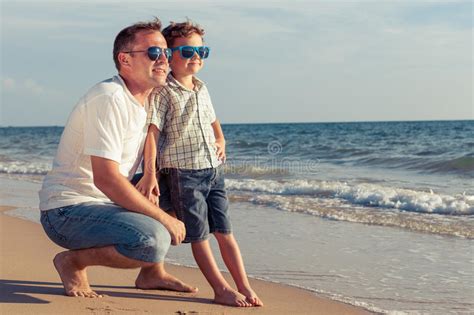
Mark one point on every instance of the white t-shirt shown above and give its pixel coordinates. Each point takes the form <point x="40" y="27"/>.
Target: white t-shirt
<point x="107" y="122"/>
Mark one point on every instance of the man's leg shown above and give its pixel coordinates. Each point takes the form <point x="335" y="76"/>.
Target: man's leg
<point x="108" y="235"/>
<point x="71" y="266"/>
<point x="156" y="277"/>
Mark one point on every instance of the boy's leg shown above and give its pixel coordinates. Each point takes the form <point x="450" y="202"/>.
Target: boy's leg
<point x="223" y="292"/>
<point x="188" y="191"/>
<point x="220" y="225"/>
<point x="232" y="257"/>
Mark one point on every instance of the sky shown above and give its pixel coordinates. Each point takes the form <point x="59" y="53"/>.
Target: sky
<point x="271" y="61"/>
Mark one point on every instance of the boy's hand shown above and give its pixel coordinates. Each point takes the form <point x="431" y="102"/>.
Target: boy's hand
<point x="148" y="186"/>
<point x="220" y="145"/>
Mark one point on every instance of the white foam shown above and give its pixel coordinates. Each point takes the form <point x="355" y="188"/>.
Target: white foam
<point x="372" y="195"/>
<point x="21" y="167"/>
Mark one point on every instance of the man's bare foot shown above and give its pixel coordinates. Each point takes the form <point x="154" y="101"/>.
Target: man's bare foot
<point x="231" y="297"/>
<point x="74" y="280"/>
<point x="163" y="282"/>
<point x="251" y="296"/>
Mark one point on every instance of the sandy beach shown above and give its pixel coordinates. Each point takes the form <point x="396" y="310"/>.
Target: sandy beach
<point x="30" y="285"/>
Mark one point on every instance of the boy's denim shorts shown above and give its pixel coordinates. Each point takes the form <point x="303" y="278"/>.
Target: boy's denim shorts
<point x="92" y="225"/>
<point x="198" y="198"/>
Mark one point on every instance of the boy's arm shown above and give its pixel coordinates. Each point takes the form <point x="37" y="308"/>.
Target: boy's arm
<point x="220" y="140"/>
<point x="148" y="184"/>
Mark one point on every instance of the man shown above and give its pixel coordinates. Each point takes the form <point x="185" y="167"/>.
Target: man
<point x="87" y="202"/>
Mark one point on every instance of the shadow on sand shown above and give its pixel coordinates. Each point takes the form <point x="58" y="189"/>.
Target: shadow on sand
<point x="20" y="291"/>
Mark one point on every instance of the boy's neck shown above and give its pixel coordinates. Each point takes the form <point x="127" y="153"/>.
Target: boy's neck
<point x="185" y="80"/>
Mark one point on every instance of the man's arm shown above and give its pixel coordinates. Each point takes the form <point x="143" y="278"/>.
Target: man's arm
<point x="148" y="184"/>
<point x="220" y="140"/>
<point x="117" y="187"/>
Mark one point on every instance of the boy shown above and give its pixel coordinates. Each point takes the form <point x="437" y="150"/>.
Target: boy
<point x="191" y="149"/>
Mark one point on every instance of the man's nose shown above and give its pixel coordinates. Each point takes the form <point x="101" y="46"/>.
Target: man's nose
<point x="162" y="58"/>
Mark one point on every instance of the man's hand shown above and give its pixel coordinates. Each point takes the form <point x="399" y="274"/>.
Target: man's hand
<point x="148" y="187"/>
<point x="220" y="145"/>
<point x="114" y="185"/>
<point x="177" y="230"/>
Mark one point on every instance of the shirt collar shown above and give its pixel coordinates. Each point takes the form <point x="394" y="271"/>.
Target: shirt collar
<point x="127" y="91"/>
<point x="172" y="82"/>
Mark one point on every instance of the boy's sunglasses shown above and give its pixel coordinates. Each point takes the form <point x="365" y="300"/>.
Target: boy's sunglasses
<point x="154" y="52"/>
<point x="187" y="52"/>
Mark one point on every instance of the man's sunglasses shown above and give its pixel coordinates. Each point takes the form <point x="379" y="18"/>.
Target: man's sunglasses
<point x="187" y="52"/>
<point x="154" y="52"/>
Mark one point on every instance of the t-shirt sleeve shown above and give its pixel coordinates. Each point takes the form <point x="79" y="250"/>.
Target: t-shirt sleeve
<point x="158" y="110"/>
<point x="104" y="127"/>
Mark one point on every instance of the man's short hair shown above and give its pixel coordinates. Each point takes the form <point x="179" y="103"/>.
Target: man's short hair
<point x="126" y="37"/>
<point x="184" y="29"/>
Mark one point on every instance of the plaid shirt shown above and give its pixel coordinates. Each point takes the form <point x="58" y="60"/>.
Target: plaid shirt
<point x="184" y="118"/>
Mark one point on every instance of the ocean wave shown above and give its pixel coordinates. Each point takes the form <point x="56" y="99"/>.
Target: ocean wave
<point x="368" y="195"/>
<point x="24" y="168"/>
<point x="457" y="226"/>
<point x="245" y="144"/>
<point x="248" y="170"/>
<point x="463" y="165"/>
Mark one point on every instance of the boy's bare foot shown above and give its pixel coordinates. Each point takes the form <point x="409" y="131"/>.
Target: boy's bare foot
<point x="231" y="297"/>
<point x="74" y="280"/>
<point x="164" y="282"/>
<point x="251" y="296"/>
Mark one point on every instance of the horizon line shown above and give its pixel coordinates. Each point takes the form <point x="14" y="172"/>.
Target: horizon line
<point x="281" y="123"/>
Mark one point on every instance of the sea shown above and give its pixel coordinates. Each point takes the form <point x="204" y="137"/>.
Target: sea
<point x="375" y="214"/>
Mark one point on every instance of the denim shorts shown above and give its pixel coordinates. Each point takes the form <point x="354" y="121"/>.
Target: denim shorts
<point x="198" y="198"/>
<point x="92" y="224"/>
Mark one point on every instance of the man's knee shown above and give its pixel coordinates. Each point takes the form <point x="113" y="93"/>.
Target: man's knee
<point x="161" y="239"/>
<point x="150" y="244"/>
<point x="157" y="244"/>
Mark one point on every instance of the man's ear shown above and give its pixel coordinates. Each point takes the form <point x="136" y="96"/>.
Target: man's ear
<point x="124" y="58"/>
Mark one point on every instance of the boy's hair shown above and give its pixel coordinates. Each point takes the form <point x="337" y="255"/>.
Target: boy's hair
<point x="126" y="37"/>
<point x="184" y="29"/>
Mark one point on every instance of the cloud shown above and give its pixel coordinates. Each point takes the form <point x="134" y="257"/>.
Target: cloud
<point x="33" y="86"/>
<point x="28" y="86"/>
<point x="325" y="57"/>
<point x="40" y="23"/>
<point x="8" y="84"/>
